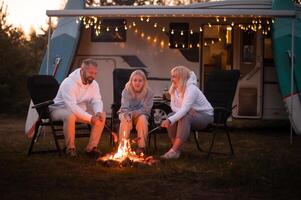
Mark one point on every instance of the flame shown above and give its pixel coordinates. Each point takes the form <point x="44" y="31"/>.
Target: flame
<point x="124" y="151"/>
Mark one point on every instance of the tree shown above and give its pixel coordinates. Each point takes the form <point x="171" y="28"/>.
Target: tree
<point x="19" y="58"/>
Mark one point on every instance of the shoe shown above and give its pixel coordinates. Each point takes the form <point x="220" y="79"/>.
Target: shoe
<point x="171" y="154"/>
<point x="71" y="152"/>
<point x="139" y="151"/>
<point x="94" y="152"/>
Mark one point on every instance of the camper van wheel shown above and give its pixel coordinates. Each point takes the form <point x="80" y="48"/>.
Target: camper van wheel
<point x="160" y="112"/>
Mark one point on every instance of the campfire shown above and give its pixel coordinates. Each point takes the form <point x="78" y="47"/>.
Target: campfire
<point x="126" y="157"/>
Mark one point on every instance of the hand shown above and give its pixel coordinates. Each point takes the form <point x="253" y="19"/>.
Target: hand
<point x="95" y="120"/>
<point x="165" y="123"/>
<point x="101" y="116"/>
<point x="125" y="117"/>
<point x="98" y="118"/>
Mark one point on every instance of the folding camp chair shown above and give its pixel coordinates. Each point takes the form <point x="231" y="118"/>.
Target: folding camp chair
<point x="120" y="78"/>
<point x="43" y="89"/>
<point x="220" y="90"/>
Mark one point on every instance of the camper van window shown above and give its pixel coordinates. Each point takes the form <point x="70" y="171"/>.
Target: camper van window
<point x="268" y="50"/>
<point x="248" y="47"/>
<point x="178" y="35"/>
<point x="113" y="31"/>
<point x="217" y="48"/>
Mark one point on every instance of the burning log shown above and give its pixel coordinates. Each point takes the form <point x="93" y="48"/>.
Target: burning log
<point x="126" y="157"/>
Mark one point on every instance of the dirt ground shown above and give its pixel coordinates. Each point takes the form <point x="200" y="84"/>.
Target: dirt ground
<point x="265" y="166"/>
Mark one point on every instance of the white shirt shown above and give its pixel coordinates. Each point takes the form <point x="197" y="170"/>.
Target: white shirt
<point x="77" y="97"/>
<point x="193" y="98"/>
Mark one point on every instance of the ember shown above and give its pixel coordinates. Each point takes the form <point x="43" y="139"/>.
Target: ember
<point x="126" y="157"/>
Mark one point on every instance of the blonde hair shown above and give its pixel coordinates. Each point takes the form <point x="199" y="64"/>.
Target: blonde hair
<point x="129" y="86"/>
<point x="183" y="74"/>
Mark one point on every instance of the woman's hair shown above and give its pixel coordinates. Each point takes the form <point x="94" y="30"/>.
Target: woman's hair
<point x="129" y="85"/>
<point x="183" y="74"/>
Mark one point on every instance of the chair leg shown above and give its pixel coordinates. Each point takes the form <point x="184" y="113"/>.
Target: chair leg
<point x="33" y="140"/>
<point x="155" y="141"/>
<point x="112" y="128"/>
<point x="229" y="139"/>
<point x="212" y="143"/>
<point x="195" y="134"/>
<point x="56" y="141"/>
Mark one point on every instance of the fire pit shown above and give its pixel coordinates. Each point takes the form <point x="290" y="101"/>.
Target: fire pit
<point x="126" y="157"/>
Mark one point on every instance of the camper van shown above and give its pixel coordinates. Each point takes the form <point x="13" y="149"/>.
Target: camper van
<point x="208" y="36"/>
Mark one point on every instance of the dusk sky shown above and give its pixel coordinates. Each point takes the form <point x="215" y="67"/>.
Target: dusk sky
<point x="30" y="13"/>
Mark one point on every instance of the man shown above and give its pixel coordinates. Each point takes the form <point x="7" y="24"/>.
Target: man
<point x="79" y="100"/>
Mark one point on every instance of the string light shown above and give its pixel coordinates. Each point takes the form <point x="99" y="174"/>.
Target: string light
<point x="259" y="24"/>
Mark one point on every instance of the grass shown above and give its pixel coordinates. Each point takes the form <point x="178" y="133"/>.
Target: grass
<point x="265" y="166"/>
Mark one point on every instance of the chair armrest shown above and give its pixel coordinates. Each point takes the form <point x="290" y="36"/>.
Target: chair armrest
<point x="222" y="109"/>
<point x="221" y="114"/>
<point x="43" y="104"/>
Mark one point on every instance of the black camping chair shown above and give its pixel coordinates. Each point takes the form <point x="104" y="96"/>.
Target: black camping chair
<point x="42" y="90"/>
<point x="120" y="78"/>
<point x="220" y="91"/>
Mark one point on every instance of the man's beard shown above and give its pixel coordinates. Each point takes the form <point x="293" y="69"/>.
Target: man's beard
<point x="87" y="80"/>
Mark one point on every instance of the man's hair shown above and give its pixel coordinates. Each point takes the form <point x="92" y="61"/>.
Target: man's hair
<point x="88" y="62"/>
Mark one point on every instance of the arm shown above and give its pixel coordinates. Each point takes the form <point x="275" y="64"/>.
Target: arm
<point x="96" y="100"/>
<point x="125" y="102"/>
<point x="189" y="98"/>
<point x="69" y="91"/>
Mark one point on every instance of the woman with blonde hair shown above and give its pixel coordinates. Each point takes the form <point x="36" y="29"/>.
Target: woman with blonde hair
<point x="136" y="105"/>
<point x="190" y="109"/>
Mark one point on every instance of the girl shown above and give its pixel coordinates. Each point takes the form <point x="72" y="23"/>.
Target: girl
<point x="136" y="104"/>
<point x="190" y="109"/>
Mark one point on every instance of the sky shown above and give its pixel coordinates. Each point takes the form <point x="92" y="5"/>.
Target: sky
<point x="30" y="13"/>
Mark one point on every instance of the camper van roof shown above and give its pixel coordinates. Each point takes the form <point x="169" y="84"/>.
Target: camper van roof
<point x="234" y="8"/>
